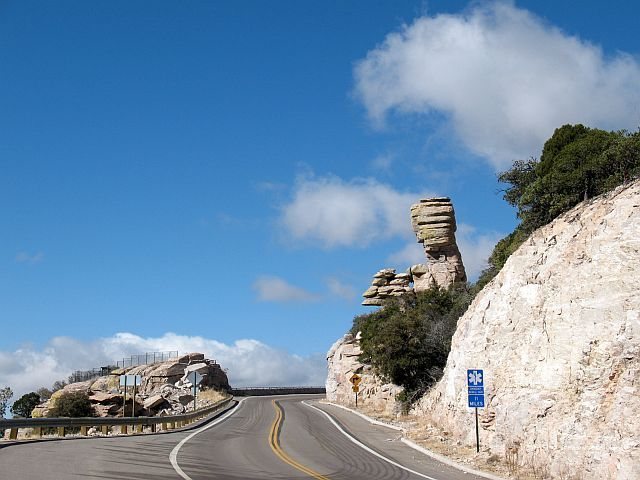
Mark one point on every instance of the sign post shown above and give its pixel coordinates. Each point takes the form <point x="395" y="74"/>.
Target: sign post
<point x="355" y="381"/>
<point x="134" y="381"/>
<point x="195" y="378"/>
<point x="475" y="391"/>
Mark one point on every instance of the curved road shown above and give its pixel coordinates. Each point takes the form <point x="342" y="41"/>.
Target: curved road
<point x="262" y="438"/>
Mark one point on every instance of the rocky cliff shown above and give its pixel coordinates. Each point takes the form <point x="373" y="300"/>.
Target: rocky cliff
<point x="343" y="363"/>
<point x="557" y="333"/>
<point x="165" y="389"/>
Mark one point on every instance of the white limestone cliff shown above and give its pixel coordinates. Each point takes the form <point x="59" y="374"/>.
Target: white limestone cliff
<point x="557" y="333"/>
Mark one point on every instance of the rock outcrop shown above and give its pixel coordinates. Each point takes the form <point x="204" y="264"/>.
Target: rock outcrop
<point x="343" y="363"/>
<point x="557" y="333"/>
<point x="165" y="389"/>
<point x="387" y="283"/>
<point x="434" y="223"/>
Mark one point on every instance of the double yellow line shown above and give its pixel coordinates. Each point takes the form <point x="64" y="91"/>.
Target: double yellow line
<point x="274" y="443"/>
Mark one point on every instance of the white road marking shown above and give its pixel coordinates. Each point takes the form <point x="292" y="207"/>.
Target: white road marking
<point x="363" y="446"/>
<point x="173" y="456"/>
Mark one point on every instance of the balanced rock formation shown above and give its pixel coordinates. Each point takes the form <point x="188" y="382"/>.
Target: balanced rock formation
<point x="165" y="389"/>
<point x="557" y="333"/>
<point x="343" y="363"/>
<point x="434" y="223"/>
<point x="387" y="283"/>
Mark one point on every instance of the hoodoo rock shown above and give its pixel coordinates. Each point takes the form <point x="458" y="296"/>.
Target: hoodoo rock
<point x="434" y="223"/>
<point x="557" y="333"/>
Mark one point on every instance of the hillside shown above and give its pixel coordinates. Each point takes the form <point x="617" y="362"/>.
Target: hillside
<point x="557" y="333"/>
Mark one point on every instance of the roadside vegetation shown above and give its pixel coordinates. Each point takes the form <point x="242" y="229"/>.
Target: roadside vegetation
<point x="71" y="404"/>
<point x="408" y="340"/>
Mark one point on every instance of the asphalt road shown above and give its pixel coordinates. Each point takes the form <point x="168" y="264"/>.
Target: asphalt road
<point x="263" y="438"/>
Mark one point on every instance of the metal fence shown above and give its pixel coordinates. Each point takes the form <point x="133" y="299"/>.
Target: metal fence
<point x="84" y="375"/>
<point x="146" y="358"/>
<point x="132" y="361"/>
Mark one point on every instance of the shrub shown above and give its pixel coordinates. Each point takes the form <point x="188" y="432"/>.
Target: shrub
<point x="408" y="341"/>
<point x="71" y="404"/>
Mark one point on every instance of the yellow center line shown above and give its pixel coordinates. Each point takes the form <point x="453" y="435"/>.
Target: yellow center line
<point x="274" y="443"/>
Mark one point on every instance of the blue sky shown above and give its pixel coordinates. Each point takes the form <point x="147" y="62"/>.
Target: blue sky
<point x="227" y="176"/>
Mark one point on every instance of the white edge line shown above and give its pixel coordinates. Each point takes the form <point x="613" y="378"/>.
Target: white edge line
<point x="363" y="446"/>
<point x="415" y="446"/>
<point x="173" y="456"/>
<point x="445" y="460"/>
<point x="368" y="419"/>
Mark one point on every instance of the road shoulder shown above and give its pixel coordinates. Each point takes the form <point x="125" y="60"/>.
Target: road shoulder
<point x="389" y="440"/>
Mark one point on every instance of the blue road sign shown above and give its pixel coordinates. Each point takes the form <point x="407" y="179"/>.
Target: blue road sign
<point x="475" y="387"/>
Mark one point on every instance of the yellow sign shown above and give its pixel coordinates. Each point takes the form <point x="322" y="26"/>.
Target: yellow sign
<point x="355" y="379"/>
<point x="355" y="388"/>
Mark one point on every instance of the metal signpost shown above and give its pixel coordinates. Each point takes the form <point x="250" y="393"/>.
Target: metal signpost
<point x="475" y="387"/>
<point x="134" y="381"/>
<point x="355" y="381"/>
<point x="195" y="378"/>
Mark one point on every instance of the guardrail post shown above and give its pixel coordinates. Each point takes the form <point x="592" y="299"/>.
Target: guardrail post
<point x="105" y="429"/>
<point x="139" y="428"/>
<point x="61" y="431"/>
<point x="13" y="434"/>
<point x="164" y="425"/>
<point x="153" y="428"/>
<point x="37" y="432"/>
<point x="83" y="431"/>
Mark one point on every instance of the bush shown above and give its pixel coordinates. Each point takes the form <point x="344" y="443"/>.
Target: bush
<point x="71" y="404"/>
<point x="408" y="341"/>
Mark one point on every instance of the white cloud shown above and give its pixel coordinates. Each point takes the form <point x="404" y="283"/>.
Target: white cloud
<point x="411" y="254"/>
<point x="383" y="163"/>
<point x="270" y="288"/>
<point x="29" y="258"/>
<point x="475" y="248"/>
<point x="332" y="212"/>
<point x="504" y="78"/>
<point x="338" y="288"/>
<point x="249" y="362"/>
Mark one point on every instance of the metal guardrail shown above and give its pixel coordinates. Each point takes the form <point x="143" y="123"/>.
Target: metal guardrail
<point x="105" y="423"/>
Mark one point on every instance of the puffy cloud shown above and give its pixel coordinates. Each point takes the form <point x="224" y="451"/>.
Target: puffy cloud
<point x="29" y="258"/>
<point x="270" y="288"/>
<point x="475" y="248"/>
<point x="338" y="288"/>
<point x="503" y="77"/>
<point x="332" y="212"/>
<point x="249" y="362"/>
<point x="411" y="254"/>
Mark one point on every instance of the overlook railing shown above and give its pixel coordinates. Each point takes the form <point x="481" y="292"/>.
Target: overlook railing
<point x="106" y="424"/>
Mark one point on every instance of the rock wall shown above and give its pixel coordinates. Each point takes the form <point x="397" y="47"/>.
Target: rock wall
<point x="374" y="393"/>
<point x="165" y="389"/>
<point x="557" y="333"/>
